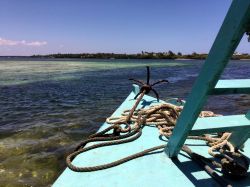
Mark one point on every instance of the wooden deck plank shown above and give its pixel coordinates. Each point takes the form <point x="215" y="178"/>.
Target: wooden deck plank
<point x="234" y="86"/>
<point x="220" y="124"/>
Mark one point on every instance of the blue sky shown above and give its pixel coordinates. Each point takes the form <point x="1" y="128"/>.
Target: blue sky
<point x="121" y="26"/>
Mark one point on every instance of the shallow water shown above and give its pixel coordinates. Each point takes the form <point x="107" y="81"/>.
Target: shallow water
<point x="47" y="106"/>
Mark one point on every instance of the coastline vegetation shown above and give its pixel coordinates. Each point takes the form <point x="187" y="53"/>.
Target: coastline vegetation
<point x="142" y="55"/>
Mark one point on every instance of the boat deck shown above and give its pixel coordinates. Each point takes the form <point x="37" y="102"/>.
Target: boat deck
<point x="152" y="170"/>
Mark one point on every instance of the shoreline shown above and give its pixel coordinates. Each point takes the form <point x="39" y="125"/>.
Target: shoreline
<point x="57" y="58"/>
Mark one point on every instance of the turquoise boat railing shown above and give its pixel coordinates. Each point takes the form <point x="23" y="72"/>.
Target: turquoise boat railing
<point x="236" y="23"/>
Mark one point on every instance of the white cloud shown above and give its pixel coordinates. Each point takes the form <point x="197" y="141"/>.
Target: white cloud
<point x="6" y="42"/>
<point x="36" y="43"/>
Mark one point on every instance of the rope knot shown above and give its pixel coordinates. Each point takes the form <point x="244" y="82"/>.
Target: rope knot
<point x="117" y="130"/>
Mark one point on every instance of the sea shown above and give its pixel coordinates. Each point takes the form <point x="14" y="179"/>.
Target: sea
<point x="47" y="106"/>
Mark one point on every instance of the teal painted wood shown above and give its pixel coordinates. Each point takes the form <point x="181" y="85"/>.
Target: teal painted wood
<point x="220" y="124"/>
<point x="136" y="89"/>
<point x="153" y="170"/>
<point x="234" y="86"/>
<point x="240" y="135"/>
<point x="227" y="40"/>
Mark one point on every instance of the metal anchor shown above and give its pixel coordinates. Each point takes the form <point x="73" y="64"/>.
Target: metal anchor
<point x="147" y="87"/>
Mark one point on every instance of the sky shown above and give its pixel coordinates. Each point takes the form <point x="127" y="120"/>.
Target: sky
<point x="30" y="27"/>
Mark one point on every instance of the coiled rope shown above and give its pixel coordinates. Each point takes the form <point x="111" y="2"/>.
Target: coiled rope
<point x="163" y="116"/>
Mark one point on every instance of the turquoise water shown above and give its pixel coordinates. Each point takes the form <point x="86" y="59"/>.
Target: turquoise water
<point x="23" y="72"/>
<point x="47" y="106"/>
